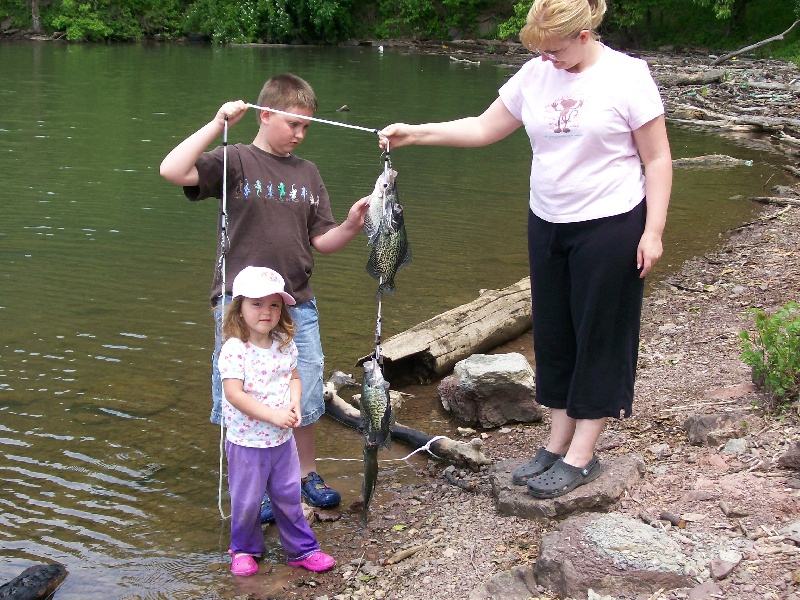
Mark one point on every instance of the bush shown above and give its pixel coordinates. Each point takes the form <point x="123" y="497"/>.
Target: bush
<point x="284" y="21"/>
<point x="774" y="353"/>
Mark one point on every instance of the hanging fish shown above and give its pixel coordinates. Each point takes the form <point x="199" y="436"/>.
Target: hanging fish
<point x="377" y="206"/>
<point x="377" y="422"/>
<point x="387" y="232"/>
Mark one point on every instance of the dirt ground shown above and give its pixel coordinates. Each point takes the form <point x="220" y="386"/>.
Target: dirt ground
<point x="434" y="539"/>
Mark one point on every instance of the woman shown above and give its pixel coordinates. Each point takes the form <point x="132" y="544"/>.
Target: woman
<point x="593" y="115"/>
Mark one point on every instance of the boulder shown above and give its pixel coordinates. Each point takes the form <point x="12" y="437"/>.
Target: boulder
<point x="516" y="584"/>
<point x="491" y="390"/>
<point x="716" y="429"/>
<point x="619" y="474"/>
<point x="610" y="554"/>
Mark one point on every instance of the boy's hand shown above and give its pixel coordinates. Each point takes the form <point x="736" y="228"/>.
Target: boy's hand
<point x="356" y="215"/>
<point x="233" y="110"/>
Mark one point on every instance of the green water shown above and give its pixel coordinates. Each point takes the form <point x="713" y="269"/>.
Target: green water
<point x="109" y="464"/>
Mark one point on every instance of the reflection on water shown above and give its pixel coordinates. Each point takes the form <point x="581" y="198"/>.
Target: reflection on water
<point x="109" y="464"/>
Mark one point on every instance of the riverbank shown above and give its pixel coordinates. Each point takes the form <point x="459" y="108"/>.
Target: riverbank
<point x="452" y="537"/>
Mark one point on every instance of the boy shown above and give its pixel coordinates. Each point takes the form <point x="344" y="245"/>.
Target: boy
<point x="278" y="209"/>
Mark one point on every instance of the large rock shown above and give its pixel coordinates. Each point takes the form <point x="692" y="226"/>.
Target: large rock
<point x="516" y="584"/>
<point x="791" y="458"/>
<point x="716" y="429"/>
<point x="491" y="390"/>
<point x="610" y="554"/>
<point x="619" y="474"/>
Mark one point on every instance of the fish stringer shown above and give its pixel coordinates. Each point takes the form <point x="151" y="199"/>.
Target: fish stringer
<point x="223" y="247"/>
<point x="387" y="167"/>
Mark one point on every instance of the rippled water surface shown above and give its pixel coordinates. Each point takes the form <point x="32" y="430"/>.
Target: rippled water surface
<point x="107" y="459"/>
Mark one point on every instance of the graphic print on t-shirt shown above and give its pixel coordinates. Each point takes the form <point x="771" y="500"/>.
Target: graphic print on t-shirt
<point x="562" y="115"/>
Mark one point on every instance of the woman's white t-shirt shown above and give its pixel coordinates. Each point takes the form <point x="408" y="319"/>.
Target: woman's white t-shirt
<point x="585" y="163"/>
<point x="266" y="373"/>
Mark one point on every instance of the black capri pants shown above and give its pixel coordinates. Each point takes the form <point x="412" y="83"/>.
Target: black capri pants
<point x="587" y="306"/>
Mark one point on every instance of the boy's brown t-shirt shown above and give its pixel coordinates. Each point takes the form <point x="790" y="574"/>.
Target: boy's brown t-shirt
<point x="275" y="206"/>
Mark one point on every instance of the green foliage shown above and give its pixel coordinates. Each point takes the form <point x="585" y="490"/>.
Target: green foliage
<point x="276" y="21"/>
<point x="427" y="18"/>
<point x="512" y="27"/>
<point x="408" y="17"/>
<point x="83" y="20"/>
<point x="774" y="352"/>
<point x="97" y="20"/>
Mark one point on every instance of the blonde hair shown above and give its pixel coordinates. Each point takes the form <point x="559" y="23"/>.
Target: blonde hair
<point x="233" y="325"/>
<point x="287" y="91"/>
<point x="562" y="19"/>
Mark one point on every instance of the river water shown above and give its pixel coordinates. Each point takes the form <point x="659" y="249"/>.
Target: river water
<point x="108" y="463"/>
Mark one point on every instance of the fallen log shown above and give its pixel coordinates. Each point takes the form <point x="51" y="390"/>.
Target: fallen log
<point x="432" y="348"/>
<point x="714" y="76"/>
<point x="38" y="581"/>
<point x="710" y="161"/>
<point x="459" y="453"/>
<point x="776" y="200"/>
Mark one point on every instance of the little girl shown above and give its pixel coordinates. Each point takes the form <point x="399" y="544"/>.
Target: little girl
<point x="258" y="365"/>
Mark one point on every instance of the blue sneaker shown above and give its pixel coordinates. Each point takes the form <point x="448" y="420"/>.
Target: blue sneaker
<point x="317" y="493"/>
<point x="267" y="516"/>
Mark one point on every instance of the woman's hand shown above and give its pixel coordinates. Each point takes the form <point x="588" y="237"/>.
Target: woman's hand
<point x="649" y="252"/>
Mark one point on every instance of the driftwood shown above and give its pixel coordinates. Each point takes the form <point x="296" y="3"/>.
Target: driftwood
<point x="433" y="347"/>
<point x="710" y="161"/>
<point x="38" y="581"/>
<point x="702" y="78"/>
<point x="775" y="38"/>
<point x="776" y="200"/>
<point x="459" y="453"/>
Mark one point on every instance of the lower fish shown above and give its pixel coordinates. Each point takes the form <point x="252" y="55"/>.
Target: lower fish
<point x="377" y="422"/>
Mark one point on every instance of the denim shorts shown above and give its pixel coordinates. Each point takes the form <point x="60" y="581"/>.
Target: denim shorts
<point x="310" y="361"/>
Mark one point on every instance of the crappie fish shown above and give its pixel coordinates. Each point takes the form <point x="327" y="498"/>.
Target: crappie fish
<point x="377" y="423"/>
<point x="390" y="251"/>
<point x="384" y="194"/>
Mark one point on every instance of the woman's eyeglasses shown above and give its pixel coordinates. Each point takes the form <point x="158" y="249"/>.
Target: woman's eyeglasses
<point x="554" y="54"/>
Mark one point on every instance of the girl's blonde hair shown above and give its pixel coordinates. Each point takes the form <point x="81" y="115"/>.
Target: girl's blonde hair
<point x="562" y="19"/>
<point x="233" y="325"/>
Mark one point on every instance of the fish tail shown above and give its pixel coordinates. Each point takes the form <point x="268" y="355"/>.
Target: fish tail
<point x="387" y="287"/>
<point x="370" y="478"/>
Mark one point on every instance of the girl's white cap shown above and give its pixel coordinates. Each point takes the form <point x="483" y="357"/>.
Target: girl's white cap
<point x="257" y="282"/>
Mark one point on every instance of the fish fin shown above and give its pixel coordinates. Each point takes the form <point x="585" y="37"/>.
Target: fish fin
<point x="406" y="259"/>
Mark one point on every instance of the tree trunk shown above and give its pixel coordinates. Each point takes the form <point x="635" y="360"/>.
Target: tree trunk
<point x="37" y="23"/>
<point x="433" y="347"/>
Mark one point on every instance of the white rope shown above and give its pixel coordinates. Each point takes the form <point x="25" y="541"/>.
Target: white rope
<point x="327" y="122"/>
<point x="426" y="448"/>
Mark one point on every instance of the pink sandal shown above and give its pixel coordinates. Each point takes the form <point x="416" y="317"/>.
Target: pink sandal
<point x="243" y="565"/>
<point x="319" y="561"/>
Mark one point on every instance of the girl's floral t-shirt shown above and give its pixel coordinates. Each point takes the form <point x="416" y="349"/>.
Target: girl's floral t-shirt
<point x="266" y="373"/>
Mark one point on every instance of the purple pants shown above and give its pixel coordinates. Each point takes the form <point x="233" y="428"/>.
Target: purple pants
<point x="277" y="469"/>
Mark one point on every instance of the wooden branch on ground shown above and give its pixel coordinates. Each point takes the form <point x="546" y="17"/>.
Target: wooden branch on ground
<point x="433" y="347"/>
<point x="776" y="200"/>
<point x="706" y="77"/>
<point x="710" y="160"/>
<point x="754" y="122"/>
<point x="775" y="38"/>
<point x="460" y="453"/>
<point x="763" y="85"/>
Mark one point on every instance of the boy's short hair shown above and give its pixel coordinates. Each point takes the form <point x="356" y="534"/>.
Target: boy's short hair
<point x="287" y="91"/>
